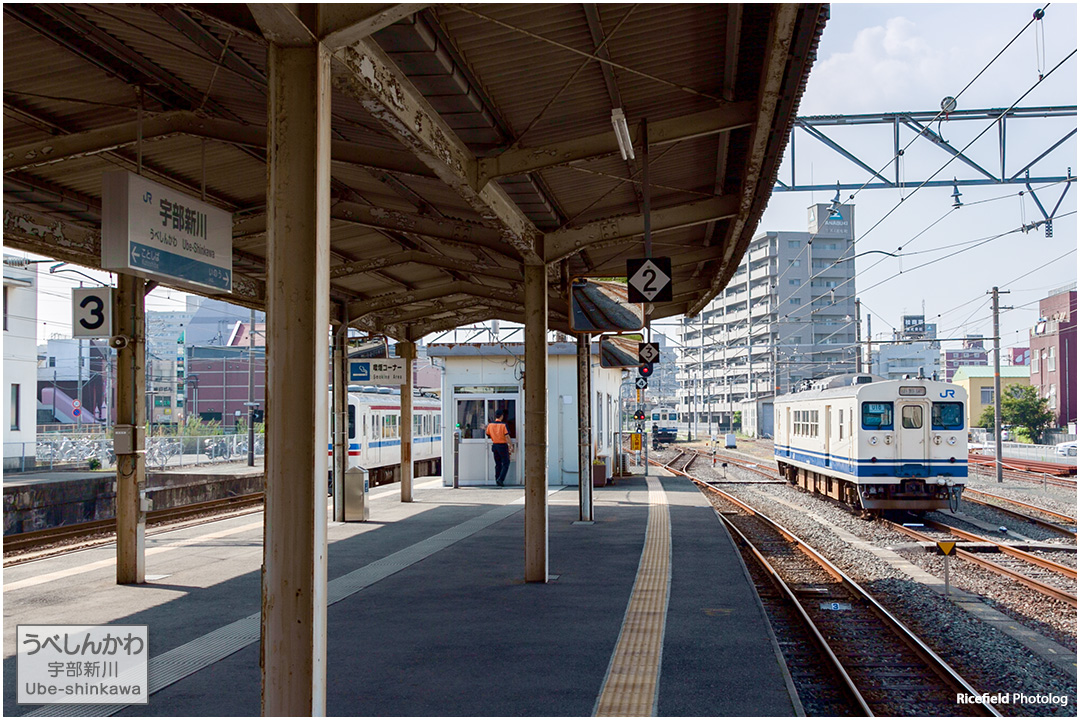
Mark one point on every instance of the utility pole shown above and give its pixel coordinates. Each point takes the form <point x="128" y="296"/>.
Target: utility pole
<point x="858" y="344"/>
<point x="251" y="391"/>
<point x="997" y="383"/>
<point x="869" y="348"/>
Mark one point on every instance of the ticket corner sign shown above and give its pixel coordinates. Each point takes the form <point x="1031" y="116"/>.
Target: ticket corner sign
<point x="153" y="231"/>
<point x="649" y="280"/>
<point x="91" y="312"/>
<point x="381" y="371"/>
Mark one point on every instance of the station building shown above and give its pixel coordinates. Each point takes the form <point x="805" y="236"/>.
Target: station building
<point x="480" y="379"/>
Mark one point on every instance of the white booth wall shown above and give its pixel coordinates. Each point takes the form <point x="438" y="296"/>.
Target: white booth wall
<point x="491" y="372"/>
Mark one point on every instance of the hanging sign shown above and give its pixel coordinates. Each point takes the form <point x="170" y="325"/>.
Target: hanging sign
<point x="153" y="231"/>
<point x="649" y="280"/>
<point x="387" y="371"/>
<point x="91" y="312"/>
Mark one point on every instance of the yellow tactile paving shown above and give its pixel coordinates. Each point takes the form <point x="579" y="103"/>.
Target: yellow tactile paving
<point x="633" y="677"/>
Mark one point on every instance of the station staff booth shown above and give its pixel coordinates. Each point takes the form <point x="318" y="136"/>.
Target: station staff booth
<point x="481" y="379"/>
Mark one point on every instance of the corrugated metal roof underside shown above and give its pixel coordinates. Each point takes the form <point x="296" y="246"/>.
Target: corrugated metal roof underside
<point x="499" y="82"/>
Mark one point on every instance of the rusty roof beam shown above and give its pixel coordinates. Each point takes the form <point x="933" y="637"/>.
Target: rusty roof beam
<point x="388" y="95"/>
<point x="383" y="302"/>
<point x="782" y="33"/>
<point x="423" y="258"/>
<point x="601" y="233"/>
<point x="709" y="122"/>
<point x="185" y="122"/>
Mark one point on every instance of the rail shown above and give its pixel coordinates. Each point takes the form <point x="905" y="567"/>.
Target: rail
<point x="19" y="543"/>
<point x="1036" y="585"/>
<point x="956" y="683"/>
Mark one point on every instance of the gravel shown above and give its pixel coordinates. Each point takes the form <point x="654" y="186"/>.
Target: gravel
<point x="990" y="660"/>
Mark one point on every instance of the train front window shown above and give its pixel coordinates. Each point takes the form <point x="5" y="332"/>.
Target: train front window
<point x="877" y="416"/>
<point x="947" y="416"/>
<point x="911" y="417"/>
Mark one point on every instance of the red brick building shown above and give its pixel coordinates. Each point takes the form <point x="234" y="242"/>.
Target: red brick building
<point x="1053" y="353"/>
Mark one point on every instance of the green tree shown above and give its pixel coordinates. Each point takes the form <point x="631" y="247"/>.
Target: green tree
<point x="1021" y="407"/>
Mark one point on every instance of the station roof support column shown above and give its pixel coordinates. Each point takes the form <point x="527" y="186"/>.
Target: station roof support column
<point x="298" y="290"/>
<point x="584" y="378"/>
<point x="536" y="424"/>
<point x="131" y="411"/>
<point x="407" y="350"/>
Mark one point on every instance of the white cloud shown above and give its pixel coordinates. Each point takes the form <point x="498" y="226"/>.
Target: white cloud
<point x="887" y="68"/>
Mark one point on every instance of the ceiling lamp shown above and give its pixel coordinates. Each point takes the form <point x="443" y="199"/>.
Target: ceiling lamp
<point x="622" y="134"/>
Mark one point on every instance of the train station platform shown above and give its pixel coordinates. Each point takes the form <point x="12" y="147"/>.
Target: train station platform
<point x="648" y="611"/>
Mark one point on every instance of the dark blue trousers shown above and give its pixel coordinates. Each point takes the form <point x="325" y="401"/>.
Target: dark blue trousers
<point x="501" y="451"/>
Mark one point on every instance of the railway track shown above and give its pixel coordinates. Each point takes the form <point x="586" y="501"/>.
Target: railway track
<point x="1032" y="471"/>
<point x="981" y="497"/>
<point x="17" y="546"/>
<point x="1044" y="576"/>
<point x="882" y="668"/>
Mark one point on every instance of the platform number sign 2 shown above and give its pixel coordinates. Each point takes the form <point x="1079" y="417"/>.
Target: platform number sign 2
<point x="91" y="312"/>
<point x="648" y="280"/>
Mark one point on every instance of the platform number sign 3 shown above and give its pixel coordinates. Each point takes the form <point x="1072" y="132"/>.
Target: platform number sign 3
<point x="648" y="280"/>
<point x="91" y="310"/>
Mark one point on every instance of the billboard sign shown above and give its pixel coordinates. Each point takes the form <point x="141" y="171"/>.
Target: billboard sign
<point x="153" y="231"/>
<point x="826" y="223"/>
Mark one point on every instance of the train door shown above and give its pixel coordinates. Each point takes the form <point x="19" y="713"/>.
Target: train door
<point x="472" y="412"/>
<point x="912" y="435"/>
<point x="828" y="435"/>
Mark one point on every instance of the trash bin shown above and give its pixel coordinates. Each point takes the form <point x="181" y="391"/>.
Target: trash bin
<point x="356" y="495"/>
<point x="599" y="474"/>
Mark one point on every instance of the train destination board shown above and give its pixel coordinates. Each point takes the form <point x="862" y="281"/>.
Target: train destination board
<point x="153" y="231"/>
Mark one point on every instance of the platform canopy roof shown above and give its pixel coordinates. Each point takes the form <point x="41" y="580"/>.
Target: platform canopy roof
<point x="467" y="140"/>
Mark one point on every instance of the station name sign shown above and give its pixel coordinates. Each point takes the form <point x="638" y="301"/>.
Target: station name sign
<point x="385" y="371"/>
<point x="153" y="231"/>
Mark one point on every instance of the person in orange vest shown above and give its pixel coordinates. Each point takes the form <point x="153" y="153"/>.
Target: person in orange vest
<point x="500" y="447"/>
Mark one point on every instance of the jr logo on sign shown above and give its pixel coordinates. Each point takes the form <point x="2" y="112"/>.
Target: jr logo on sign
<point x="947" y="394"/>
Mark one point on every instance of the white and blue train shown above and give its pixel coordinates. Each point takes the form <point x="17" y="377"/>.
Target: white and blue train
<point x="875" y="444"/>
<point x="374" y="432"/>
<point x="664" y="424"/>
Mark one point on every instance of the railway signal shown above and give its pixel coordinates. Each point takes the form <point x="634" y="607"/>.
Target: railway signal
<point x="639" y="414"/>
<point x="645" y="370"/>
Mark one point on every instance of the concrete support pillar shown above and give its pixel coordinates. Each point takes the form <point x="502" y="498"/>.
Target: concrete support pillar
<point x="131" y="411"/>
<point x="297" y="289"/>
<point x="536" y="358"/>
<point x="584" y="384"/>
<point x="341" y="413"/>
<point x="407" y="350"/>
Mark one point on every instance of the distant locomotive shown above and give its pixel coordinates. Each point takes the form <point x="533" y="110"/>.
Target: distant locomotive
<point x="875" y="444"/>
<point x="374" y="427"/>
<point x="663" y="424"/>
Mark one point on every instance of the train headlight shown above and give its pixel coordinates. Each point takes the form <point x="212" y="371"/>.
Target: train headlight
<point x="888" y="439"/>
<point x="952" y="440"/>
<point x="937" y="439"/>
<point x="873" y="440"/>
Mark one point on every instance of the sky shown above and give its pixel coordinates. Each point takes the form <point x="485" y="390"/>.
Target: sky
<point x="877" y="58"/>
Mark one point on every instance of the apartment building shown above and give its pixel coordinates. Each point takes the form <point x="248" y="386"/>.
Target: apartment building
<point x="1053" y="353"/>
<point x="787" y="315"/>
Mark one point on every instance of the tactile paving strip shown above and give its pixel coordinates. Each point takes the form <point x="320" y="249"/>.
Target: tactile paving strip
<point x="630" y="688"/>
<point x="189" y="658"/>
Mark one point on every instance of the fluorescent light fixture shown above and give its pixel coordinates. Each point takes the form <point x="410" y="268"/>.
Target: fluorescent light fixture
<point x="622" y="134"/>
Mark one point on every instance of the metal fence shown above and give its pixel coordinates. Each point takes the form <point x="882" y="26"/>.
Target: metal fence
<point x="76" y="451"/>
